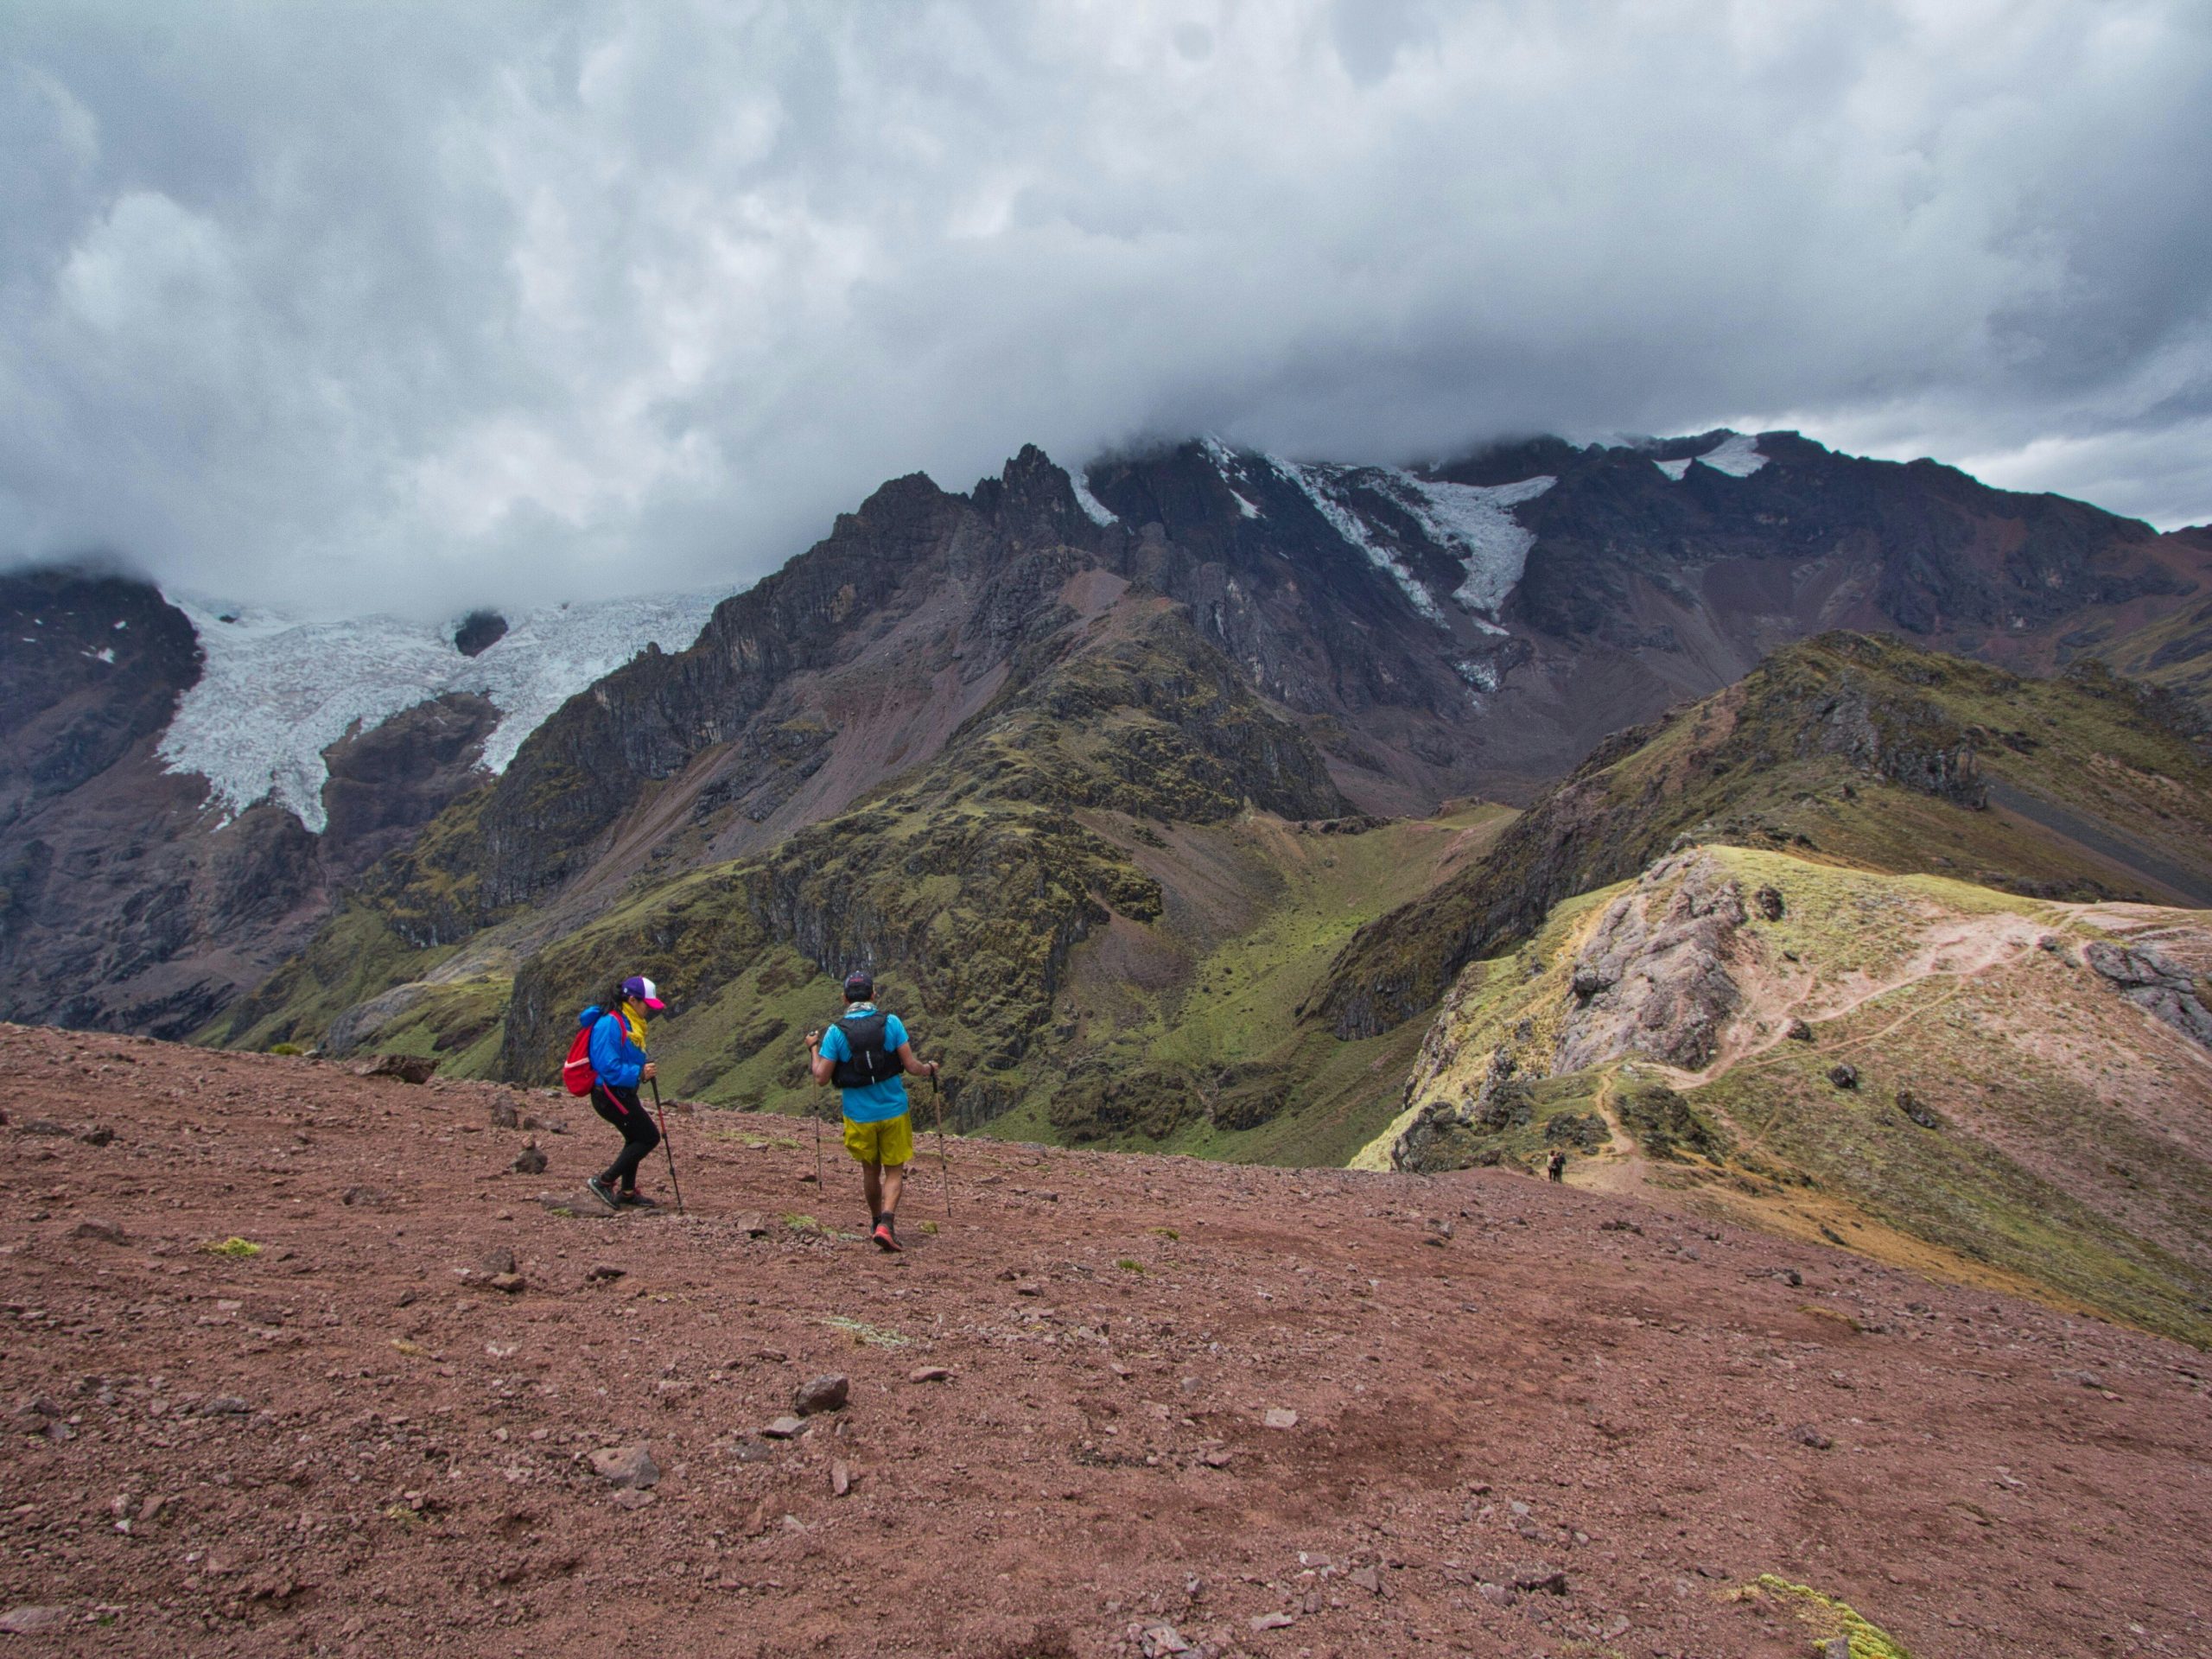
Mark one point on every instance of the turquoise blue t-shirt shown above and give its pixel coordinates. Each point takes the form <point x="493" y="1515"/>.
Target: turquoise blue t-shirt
<point x="878" y="1101"/>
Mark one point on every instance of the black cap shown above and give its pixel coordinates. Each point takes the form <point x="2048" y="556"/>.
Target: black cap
<point x="860" y="986"/>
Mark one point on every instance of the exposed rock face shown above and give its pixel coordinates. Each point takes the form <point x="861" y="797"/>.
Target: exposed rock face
<point x="1449" y="1134"/>
<point x="387" y="783"/>
<point x="479" y="632"/>
<point x="2147" y="978"/>
<point x="1659" y="985"/>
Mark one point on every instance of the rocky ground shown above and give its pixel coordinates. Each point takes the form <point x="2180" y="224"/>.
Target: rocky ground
<point x="1111" y="1405"/>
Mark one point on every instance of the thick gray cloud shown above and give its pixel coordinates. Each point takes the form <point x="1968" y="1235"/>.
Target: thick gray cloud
<point x="414" y="305"/>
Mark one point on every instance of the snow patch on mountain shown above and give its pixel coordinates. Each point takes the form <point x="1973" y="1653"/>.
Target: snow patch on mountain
<point x="1737" y="455"/>
<point x="1331" y="490"/>
<point x="1232" y="473"/>
<point x="1477" y="519"/>
<point x="274" y="692"/>
<point x="1473" y="523"/>
<point x="1096" y="510"/>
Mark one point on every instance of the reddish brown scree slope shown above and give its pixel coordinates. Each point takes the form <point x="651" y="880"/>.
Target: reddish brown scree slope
<point x="353" y="1443"/>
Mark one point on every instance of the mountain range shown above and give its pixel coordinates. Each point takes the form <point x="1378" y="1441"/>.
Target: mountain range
<point x="1171" y="797"/>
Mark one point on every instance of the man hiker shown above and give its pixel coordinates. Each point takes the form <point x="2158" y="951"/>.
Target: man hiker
<point x="865" y="1054"/>
<point x="619" y="1065"/>
<point x="1558" y="1164"/>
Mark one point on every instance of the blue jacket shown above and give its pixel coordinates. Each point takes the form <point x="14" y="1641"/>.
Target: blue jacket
<point x="615" y="1060"/>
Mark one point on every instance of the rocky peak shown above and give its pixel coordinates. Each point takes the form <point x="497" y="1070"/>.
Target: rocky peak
<point x="477" y="632"/>
<point x="91" y="663"/>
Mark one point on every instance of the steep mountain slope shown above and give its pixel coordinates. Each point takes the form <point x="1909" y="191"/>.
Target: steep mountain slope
<point x="1861" y="750"/>
<point x="1998" y="1089"/>
<point x="1124" y="833"/>
<point x="2173" y="652"/>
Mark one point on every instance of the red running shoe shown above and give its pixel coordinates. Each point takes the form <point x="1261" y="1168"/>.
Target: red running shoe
<point x="886" y="1239"/>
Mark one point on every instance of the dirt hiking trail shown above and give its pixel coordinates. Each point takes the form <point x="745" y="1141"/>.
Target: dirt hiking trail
<point x="1118" y="1405"/>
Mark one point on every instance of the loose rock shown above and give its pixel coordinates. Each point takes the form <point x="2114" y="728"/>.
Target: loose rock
<point x="1279" y="1417"/>
<point x="94" y="1227"/>
<point x="1843" y="1077"/>
<point x="628" y="1466"/>
<point x="929" y="1374"/>
<point x="784" y="1428"/>
<point x="33" y="1621"/>
<point x="528" y="1161"/>
<point x="822" y="1394"/>
<point x="408" y="1068"/>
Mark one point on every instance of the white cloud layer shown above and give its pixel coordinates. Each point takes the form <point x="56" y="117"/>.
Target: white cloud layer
<point x="415" y="306"/>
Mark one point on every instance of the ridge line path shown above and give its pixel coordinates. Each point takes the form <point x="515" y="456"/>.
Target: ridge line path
<point x="1518" y="1430"/>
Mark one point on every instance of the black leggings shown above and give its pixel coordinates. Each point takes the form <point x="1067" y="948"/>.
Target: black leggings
<point x="622" y="1108"/>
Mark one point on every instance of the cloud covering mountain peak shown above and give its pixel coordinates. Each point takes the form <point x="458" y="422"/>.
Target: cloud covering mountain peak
<point x="408" y="307"/>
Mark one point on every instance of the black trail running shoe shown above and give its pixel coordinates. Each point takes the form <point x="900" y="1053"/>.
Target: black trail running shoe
<point x="636" y="1200"/>
<point x="604" y="1192"/>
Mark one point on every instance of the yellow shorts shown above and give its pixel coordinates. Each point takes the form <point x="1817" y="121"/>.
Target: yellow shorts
<point x="890" y="1143"/>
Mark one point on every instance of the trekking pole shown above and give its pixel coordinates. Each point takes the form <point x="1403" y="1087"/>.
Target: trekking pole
<point x="813" y="1041"/>
<point x="665" y="1145"/>
<point x="944" y="1169"/>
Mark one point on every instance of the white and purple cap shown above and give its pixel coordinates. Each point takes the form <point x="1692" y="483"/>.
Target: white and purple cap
<point x="641" y="989"/>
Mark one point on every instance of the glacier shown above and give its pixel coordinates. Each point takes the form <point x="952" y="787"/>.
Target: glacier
<point x="1474" y="522"/>
<point x="274" y="692"/>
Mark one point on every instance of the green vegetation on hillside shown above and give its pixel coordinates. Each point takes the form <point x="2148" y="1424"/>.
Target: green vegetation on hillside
<point x="1864" y="751"/>
<point x="1100" y="905"/>
<point x="2002" y="1104"/>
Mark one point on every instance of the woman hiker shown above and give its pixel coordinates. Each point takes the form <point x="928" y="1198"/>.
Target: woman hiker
<point x="864" y="1054"/>
<point x="619" y="1065"/>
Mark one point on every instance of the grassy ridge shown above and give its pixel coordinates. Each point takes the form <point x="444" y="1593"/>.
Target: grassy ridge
<point x="2051" y="1146"/>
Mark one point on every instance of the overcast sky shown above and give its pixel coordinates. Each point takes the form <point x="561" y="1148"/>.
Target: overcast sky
<point x="411" y="307"/>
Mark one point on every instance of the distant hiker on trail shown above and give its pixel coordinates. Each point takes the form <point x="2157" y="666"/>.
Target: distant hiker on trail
<point x="1557" y="1164"/>
<point x="617" y="1052"/>
<point x="864" y="1054"/>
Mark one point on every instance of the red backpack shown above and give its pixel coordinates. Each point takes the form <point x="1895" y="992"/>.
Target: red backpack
<point x="576" y="1075"/>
